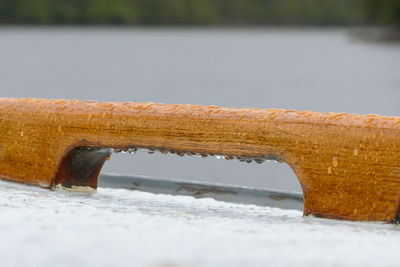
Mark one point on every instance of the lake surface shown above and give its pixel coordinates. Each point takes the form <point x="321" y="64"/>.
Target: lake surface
<point x="303" y="69"/>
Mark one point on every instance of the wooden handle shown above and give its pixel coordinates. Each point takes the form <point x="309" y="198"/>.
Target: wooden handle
<point x="348" y="165"/>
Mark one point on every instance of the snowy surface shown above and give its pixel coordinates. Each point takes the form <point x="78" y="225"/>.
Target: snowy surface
<point x="115" y="227"/>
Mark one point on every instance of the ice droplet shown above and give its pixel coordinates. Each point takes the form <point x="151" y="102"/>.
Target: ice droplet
<point x="241" y="159"/>
<point x="132" y="150"/>
<point x="259" y="161"/>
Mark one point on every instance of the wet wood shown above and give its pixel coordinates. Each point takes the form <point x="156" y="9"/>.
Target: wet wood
<point x="348" y="165"/>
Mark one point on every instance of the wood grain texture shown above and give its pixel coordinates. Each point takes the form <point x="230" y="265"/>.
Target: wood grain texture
<point x="348" y="165"/>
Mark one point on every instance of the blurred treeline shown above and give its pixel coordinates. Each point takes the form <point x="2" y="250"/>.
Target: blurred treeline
<point x="200" y="12"/>
<point x="383" y="11"/>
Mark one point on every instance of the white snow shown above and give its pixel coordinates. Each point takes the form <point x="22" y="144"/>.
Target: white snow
<point x="113" y="227"/>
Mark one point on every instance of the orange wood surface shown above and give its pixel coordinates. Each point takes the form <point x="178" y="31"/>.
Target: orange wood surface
<point x="348" y="165"/>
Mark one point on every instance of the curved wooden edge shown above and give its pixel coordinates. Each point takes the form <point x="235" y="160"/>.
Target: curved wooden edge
<point x="348" y="165"/>
<point x="81" y="167"/>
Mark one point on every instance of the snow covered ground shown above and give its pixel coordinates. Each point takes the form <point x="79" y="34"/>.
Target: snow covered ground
<point x="116" y="227"/>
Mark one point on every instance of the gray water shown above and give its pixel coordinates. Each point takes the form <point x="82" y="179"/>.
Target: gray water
<point x="303" y="69"/>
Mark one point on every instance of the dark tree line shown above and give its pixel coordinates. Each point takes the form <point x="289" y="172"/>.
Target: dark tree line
<point x="203" y="12"/>
<point x="383" y="11"/>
